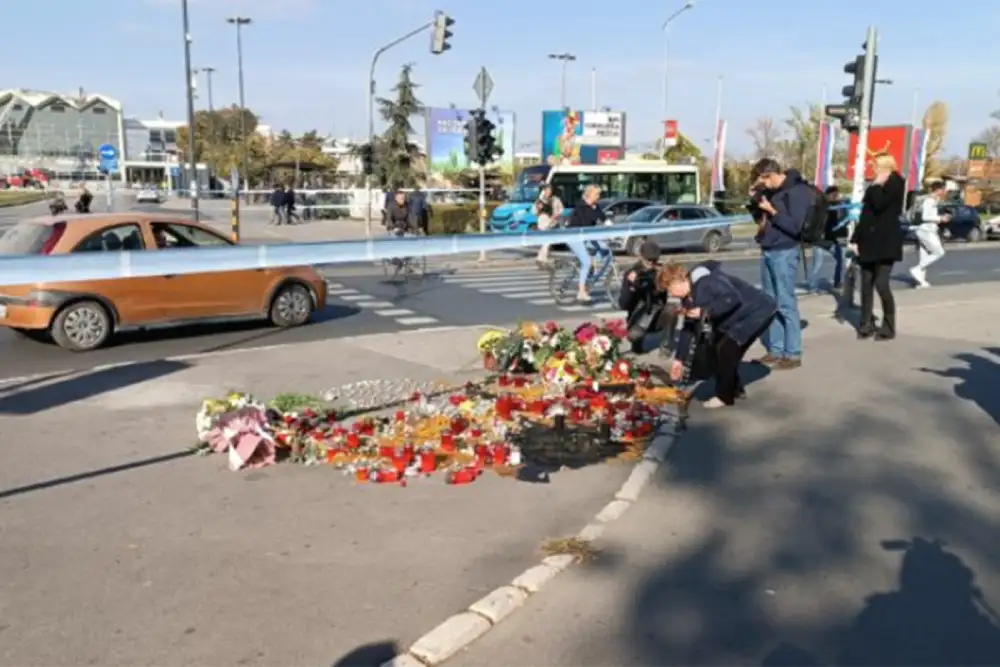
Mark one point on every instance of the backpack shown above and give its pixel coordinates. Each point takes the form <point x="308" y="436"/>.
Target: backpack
<point x="814" y="226"/>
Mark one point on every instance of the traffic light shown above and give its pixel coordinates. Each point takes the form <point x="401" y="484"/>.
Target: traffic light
<point x="440" y="33"/>
<point x="859" y="97"/>
<point x="367" y="156"/>
<point x="472" y="138"/>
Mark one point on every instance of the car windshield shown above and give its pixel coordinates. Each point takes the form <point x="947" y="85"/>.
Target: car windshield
<point x="647" y="214"/>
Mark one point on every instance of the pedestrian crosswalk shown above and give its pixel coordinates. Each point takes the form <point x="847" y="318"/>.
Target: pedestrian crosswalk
<point x="402" y="316"/>
<point x="524" y="283"/>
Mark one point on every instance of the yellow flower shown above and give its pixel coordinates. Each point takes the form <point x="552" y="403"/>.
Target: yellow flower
<point x="530" y="330"/>
<point x="490" y="339"/>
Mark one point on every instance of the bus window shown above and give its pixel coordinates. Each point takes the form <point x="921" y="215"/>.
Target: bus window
<point x="682" y="188"/>
<point x="649" y="186"/>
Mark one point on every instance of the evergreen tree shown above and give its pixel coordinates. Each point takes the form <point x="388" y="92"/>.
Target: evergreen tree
<point x="398" y="160"/>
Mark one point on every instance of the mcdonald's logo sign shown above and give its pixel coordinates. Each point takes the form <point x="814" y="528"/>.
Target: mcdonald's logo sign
<point x="978" y="151"/>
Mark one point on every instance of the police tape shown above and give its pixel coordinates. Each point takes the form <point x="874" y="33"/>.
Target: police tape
<point x="21" y="270"/>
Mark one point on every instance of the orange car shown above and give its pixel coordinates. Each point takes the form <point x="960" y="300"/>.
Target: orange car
<point x="83" y="315"/>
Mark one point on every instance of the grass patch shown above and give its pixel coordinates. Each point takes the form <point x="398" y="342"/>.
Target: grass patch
<point x="582" y="551"/>
<point x="19" y="197"/>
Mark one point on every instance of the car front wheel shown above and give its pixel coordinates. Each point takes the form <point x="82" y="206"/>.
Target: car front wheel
<point x="975" y="235"/>
<point x="292" y="306"/>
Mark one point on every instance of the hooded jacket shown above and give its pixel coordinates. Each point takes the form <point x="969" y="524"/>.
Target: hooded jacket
<point x="792" y="201"/>
<point x="734" y="307"/>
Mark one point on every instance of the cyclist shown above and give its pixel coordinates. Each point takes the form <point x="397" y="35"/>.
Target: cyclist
<point x="586" y="214"/>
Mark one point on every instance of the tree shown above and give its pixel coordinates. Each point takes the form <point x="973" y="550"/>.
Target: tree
<point x="218" y="141"/>
<point x="684" y="151"/>
<point x="936" y="123"/>
<point x="397" y="159"/>
<point x="991" y="137"/>
<point x="766" y="137"/>
<point x="798" y="151"/>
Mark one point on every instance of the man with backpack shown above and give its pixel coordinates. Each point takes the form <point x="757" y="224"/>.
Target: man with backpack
<point x="789" y="212"/>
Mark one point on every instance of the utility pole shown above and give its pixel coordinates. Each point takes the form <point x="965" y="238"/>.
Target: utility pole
<point x="566" y="59"/>
<point x="192" y="157"/>
<point x="239" y="22"/>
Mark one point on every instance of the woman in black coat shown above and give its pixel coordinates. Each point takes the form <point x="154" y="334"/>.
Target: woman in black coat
<point x="878" y="243"/>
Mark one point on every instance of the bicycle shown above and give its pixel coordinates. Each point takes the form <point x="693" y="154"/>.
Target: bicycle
<point x="407" y="267"/>
<point x="564" y="276"/>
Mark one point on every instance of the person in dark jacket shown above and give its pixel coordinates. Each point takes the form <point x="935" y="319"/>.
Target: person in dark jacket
<point x="782" y="203"/>
<point x="643" y="302"/>
<point x="878" y="243"/>
<point x="738" y="312"/>
<point x="397" y="214"/>
<point x="277" y="201"/>
<point x="83" y="203"/>
<point x="586" y="214"/>
<point x="419" y="211"/>
<point x="288" y="204"/>
<point x="834" y="235"/>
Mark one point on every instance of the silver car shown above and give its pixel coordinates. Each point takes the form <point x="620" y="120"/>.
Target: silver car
<point x="150" y="196"/>
<point x="704" y="240"/>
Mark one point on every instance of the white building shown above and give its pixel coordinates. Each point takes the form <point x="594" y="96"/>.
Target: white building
<point x="152" y="154"/>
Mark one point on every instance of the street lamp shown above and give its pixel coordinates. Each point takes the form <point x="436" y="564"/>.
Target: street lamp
<point x="666" y="51"/>
<point x="566" y="59"/>
<point x="239" y="22"/>
<point x="192" y="158"/>
<point x="209" y="71"/>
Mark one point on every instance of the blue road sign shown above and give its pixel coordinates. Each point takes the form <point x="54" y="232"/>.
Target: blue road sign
<point x="109" y="158"/>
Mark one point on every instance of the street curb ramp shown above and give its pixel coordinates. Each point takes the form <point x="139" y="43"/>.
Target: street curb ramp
<point x="462" y="629"/>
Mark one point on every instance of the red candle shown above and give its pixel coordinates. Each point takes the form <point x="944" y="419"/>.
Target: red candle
<point x="400" y="416"/>
<point x="368" y="428"/>
<point x="463" y="476"/>
<point x="386" y="451"/>
<point x="458" y="425"/>
<point x="400" y="462"/>
<point x="361" y="474"/>
<point x="353" y="440"/>
<point x="386" y="476"/>
<point x="475" y="433"/>
<point x="504" y="407"/>
<point x="428" y="462"/>
<point x="519" y="381"/>
<point x="500" y="454"/>
<point x="482" y="455"/>
<point x="447" y="441"/>
<point x="504" y="380"/>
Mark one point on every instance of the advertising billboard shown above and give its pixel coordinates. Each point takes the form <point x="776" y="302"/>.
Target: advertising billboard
<point x="445" y="142"/>
<point x="893" y="140"/>
<point x="582" y="137"/>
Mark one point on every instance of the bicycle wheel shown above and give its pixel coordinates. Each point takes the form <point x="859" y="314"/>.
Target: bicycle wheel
<point x="612" y="282"/>
<point x="563" y="278"/>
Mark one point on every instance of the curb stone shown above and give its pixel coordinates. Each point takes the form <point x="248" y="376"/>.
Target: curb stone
<point x="464" y="628"/>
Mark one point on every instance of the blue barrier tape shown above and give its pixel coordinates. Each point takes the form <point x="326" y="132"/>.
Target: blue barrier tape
<point x="23" y="270"/>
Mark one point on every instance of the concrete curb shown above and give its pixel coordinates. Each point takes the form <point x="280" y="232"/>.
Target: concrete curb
<point x="464" y="628"/>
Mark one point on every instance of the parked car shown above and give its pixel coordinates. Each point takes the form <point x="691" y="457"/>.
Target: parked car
<point x="150" y="196"/>
<point x="706" y="240"/>
<point x="83" y="315"/>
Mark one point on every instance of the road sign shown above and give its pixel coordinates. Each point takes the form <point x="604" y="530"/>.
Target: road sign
<point x="109" y="158"/>
<point x="483" y="86"/>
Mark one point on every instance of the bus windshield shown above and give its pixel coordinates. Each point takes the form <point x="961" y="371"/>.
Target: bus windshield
<point x="674" y="187"/>
<point x="529" y="182"/>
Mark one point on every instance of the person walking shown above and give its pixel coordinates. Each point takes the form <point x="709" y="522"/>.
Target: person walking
<point x="927" y="221"/>
<point x="288" y="203"/>
<point x="834" y="234"/>
<point x="419" y="211"/>
<point x="277" y="200"/>
<point x="878" y="244"/>
<point x="548" y="208"/>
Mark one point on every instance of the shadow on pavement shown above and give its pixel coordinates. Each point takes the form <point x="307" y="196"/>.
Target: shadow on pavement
<point x="79" y="387"/>
<point x="774" y="578"/>
<point x="92" y="474"/>
<point x="369" y="655"/>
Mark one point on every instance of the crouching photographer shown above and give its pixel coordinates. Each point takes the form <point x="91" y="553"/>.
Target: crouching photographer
<point x="643" y="302"/>
<point x="737" y="312"/>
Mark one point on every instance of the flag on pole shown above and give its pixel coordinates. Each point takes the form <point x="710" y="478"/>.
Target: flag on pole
<point x="918" y="159"/>
<point x="719" y="158"/>
<point x="824" y="155"/>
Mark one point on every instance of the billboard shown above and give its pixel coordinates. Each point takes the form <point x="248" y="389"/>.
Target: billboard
<point x="582" y="137"/>
<point x="893" y="140"/>
<point x="445" y="141"/>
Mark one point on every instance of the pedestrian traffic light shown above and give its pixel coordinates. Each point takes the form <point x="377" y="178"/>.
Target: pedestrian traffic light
<point x="440" y="33"/>
<point x="859" y="97"/>
<point x="367" y="156"/>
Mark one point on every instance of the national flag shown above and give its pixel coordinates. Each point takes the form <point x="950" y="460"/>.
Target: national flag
<point x="824" y="155"/>
<point x="918" y="159"/>
<point x="719" y="158"/>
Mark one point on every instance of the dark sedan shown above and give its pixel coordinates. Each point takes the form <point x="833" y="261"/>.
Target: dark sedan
<point x="705" y="240"/>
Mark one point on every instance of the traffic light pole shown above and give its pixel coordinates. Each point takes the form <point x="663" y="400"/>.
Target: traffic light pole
<point x="482" y="207"/>
<point x="371" y="115"/>
<point x="861" y="153"/>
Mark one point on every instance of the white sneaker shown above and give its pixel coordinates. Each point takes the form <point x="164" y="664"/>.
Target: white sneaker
<point x="919" y="277"/>
<point x="713" y="403"/>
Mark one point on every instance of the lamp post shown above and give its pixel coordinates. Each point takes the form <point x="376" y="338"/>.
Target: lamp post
<point x="666" y="52"/>
<point x="209" y="71"/>
<point x="192" y="158"/>
<point x="239" y="22"/>
<point x="566" y="59"/>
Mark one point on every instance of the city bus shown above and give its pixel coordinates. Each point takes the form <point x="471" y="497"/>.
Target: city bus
<point x="654" y="180"/>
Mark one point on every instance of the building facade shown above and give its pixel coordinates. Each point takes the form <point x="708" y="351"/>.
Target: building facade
<point x="58" y="133"/>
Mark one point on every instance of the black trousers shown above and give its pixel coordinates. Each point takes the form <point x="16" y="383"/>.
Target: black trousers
<point x="728" y="357"/>
<point x="875" y="278"/>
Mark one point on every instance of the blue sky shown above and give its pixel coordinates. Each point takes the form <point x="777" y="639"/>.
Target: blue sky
<point x="306" y="61"/>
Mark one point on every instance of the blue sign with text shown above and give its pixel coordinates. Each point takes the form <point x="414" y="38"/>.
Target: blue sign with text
<point x="109" y="158"/>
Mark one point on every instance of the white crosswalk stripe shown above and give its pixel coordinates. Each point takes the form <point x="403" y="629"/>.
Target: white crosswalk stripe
<point x="402" y="316"/>
<point x="529" y="284"/>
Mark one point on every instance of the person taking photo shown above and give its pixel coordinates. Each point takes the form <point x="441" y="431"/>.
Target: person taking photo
<point x="548" y="208"/>
<point x="643" y="302"/>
